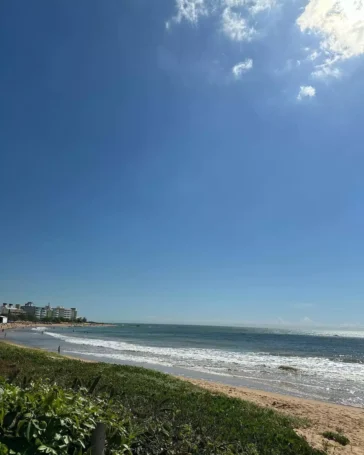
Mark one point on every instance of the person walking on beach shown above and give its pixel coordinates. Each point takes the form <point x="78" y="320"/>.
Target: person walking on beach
<point x="59" y="349"/>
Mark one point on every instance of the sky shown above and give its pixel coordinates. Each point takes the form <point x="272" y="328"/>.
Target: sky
<point x="184" y="161"/>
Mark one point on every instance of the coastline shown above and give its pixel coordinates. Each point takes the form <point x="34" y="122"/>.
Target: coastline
<point x="322" y="416"/>
<point x="51" y="355"/>
<point x="28" y="324"/>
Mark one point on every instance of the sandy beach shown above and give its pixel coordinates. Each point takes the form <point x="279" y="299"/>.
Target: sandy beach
<point x="322" y="416"/>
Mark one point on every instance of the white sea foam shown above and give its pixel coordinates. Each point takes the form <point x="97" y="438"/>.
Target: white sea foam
<point x="122" y="357"/>
<point x="334" y="333"/>
<point x="218" y="361"/>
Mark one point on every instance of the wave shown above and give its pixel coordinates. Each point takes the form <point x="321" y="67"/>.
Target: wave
<point x="123" y="357"/>
<point x="346" y="393"/>
<point x="333" y="333"/>
<point x="227" y="362"/>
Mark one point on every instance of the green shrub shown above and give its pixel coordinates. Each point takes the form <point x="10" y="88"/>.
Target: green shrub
<point x="337" y="437"/>
<point x="48" y="419"/>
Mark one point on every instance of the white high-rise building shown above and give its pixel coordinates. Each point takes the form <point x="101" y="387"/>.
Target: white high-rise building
<point x="64" y="313"/>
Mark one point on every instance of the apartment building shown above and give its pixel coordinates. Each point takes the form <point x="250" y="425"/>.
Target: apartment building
<point x="9" y="309"/>
<point x="29" y="308"/>
<point x="43" y="312"/>
<point x="64" y="313"/>
<point x="58" y="312"/>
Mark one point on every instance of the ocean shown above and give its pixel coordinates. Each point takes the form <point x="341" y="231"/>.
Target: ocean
<point x="324" y="365"/>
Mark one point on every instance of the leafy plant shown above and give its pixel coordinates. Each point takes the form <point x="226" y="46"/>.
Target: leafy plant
<point x="44" y="418"/>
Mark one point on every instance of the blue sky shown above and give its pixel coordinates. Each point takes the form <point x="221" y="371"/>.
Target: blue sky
<point x="192" y="161"/>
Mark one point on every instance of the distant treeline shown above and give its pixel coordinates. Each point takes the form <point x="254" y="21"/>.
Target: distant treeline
<point x="32" y="318"/>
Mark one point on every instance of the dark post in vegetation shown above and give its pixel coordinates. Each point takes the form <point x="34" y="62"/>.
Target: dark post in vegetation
<point x="98" y="439"/>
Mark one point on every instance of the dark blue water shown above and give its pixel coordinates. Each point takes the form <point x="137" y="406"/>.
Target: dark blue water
<point x="327" y="365"/>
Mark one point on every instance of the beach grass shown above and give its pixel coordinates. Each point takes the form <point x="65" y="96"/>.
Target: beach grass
<point x="337" y="437"/>
<point x="169" y="416"/>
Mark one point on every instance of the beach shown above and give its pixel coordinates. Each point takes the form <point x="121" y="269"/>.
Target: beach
<point x="318" y="416"/>
<point x="28" y="324"/>
<point x="320" y="366"/>
<point x="317" y="376"/>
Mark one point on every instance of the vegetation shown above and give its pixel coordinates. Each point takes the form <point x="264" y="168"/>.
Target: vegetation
<point x="337" y="437"/>
<point x="150" y="412"/>
<point x="12" y="317"/>
<point x="59" y="320"/>
<point x="43" y="418"/>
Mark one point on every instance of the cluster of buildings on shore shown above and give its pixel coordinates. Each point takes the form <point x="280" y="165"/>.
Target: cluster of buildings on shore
<point x="37" y="312"/>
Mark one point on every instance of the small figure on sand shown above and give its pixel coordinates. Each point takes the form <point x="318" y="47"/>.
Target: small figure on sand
<point x="59" y="349"/>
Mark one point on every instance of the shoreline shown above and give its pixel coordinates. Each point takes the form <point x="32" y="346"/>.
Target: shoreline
<point x="322" y="416"/>
<point x="51" y="354"/>
<point x="29" y="324"/>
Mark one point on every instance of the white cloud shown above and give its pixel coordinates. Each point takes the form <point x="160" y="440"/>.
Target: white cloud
<point x="324" y="71"/>
<point x="253" y="6"/>
<point x="243" y="67"/>
<point x="234" y="14"/>
<point x="306" y="91"/>
<point x="233" y="3"/>
<point x="258" y="6"/>
<point x="235" y="26"/>
<point x="339" y="26"/>
<point x="189" y="10"/>
<point x="314" y="55"/>
<point x="339" y="22"/>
